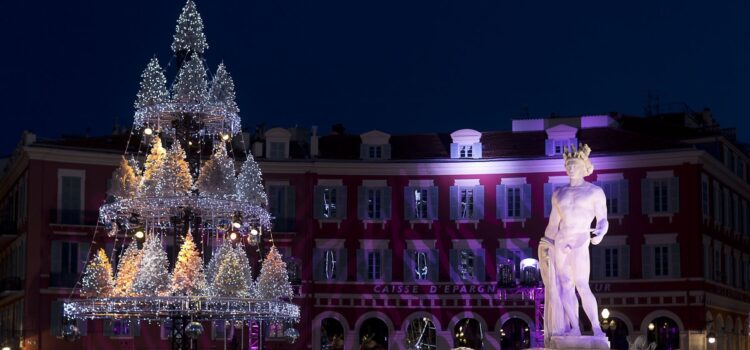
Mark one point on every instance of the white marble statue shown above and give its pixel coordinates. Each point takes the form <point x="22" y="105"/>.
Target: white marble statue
<point x="564" y="250"/>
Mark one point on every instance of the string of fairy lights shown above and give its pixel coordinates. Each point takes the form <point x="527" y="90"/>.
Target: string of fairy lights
<point x="168" y="192"/>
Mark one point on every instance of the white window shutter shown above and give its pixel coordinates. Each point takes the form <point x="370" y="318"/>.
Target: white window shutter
<point x="341" y="202"/>
<point x="624" y="257"/>
<point x="56" y="257"/>
<point x="290" y="197"/>
<point x="433" y="265"/>
<point x="597" y="262"/>
<point x="674" y="261"/>
<point x="454" y="202"/>
<point x="476" y="150"/>
<point x="341" y="263"/>
<point x="386" y="151"/>
<point x="455" y="276"/>
<point x="361" y="265"/>
<point x="624" y="198"/>
<point x="386" y="265"/>
<point x="432" y="203"/>
<point x="318" y="264"/>
<point x="83" y="255"/>
<point x="479" y="265"/>
<point x="56" y="318"/>
<point x="478" y="202"/>
<point x="454" y="150"/>
<point x="526" y="201"/>
<point x="362" y="203"/>
<point x="674" y="195"/>
<point x="502" y="202"/>
<point x="647" y="196"/>
<point x="318" y="202"/>
<point x="647" y="257"/>
<point x="409" y="203"/>
<point x="717" y="203"/>
<point x="409" y="265"/>
<point x="386" y="200"/>
<point x="364" y="151"/>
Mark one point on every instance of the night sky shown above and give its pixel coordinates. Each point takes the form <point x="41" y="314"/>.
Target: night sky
<point x="398" y="66"/>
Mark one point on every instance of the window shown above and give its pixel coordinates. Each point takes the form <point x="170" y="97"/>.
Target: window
<point x="466" y="264"/>
<point x="69" y="258"/>
<point x="329" y="203"/>
<point x="281" y="203"/>
<point x="611" y="262"/>
<point x="717" y="264"/>
<point x="514" y="202"/>
<point x="373" y="265"/>
<point x="420" y="203"/>
<point x="661" y="191"/>
<point x="661" y="261"/>
<point x="277" y="150"/>
<point x="373" y="204"/>
<point x="71" y="202"/>
<point x="222" y="329"/>
<point x="421" y="266"/>
<point x="465" y="151"/>
<point x="330" y="264"/>
<point x="612" y="194"/>
<point x="375" y="152"/>
<point x="660" y="194"/>
<point x="467" y="203"/>
<point x="718" y="204"/>
<point x="121" y="328"/>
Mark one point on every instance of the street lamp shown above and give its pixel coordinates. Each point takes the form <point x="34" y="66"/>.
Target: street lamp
<point x="651" y="326"/>
<point x="605" y="313"/>
<point x="711" y="338"/>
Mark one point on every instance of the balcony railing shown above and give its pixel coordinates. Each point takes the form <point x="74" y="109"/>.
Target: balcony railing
<point x="63" y="280"/>
<point x="73" y="217"/>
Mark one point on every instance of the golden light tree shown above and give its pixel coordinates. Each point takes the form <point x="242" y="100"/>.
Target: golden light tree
<point x="127" y="269"/>
<point x="97" y="279"/>
<point x="188" y="277"/>
<point x="153" y="168"/>
<point x="273" y="281"/>
<point x="125" y="181"/>
<point x="152" y="278"/>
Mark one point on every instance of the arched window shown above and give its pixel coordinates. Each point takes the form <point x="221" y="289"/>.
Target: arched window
<point x="468" y="333"/>
<point x="420" y="335"/>
<point x="373" y="335"/>
<point x="331" y="334"/>
<point x="617" y="333"/>
<point x="515" y="334"/>
<point x="664" y="332"/>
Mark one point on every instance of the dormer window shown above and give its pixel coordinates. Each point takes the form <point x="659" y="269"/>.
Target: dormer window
<point x="375" y="146"/>
<point x="277" y="143"/>
<point x="560" y="137"/>
<point x="466" y="144"/>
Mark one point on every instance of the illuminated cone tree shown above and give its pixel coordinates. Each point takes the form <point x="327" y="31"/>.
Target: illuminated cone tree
<point x="217" y="178"/>
<point x="233" y="277"/>
<point x="213" y="265"/>
<point x="127" y="270"/>
<point x="188" y="278"/>
<point x="97" y="279"/>
<point x="250" y="183"/>
<point x="125" y="181"/>
<point x="189" y="34"/>
<point x="153" y="86"/>
<point x="152" y="277"/>
<point x="191" y="85"/>
<point x="273" y="281"/>
<point x="152" y="180"/>
<point x="222" y="90"/>
<point x="174" y="177"/>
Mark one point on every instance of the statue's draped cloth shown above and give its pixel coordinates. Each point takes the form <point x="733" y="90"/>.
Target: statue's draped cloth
<point x="554" y="317"/>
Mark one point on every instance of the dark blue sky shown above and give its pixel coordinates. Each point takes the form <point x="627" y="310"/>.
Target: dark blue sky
<point x="398" y="66"/>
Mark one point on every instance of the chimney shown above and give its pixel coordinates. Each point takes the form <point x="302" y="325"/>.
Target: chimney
<point x="314" y="142"/>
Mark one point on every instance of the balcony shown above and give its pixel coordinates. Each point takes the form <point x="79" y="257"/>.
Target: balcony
<point x="66" y="280"/>
<point x="73" y="217"/>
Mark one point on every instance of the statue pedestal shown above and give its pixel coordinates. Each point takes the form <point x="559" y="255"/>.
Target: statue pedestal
<point x="578" y="342"/>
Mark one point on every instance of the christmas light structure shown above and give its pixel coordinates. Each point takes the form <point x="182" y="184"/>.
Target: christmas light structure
<point x="185" y="185"/>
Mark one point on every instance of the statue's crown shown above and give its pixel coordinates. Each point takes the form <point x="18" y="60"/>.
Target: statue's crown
<point x="582" y="152"/>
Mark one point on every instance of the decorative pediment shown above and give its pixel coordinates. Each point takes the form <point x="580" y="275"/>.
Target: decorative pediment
<point x="561" y="132"/>
<point x="375" y="137"/>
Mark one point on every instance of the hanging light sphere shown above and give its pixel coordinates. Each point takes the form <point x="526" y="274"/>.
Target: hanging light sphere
<point x="139" y="234"/>
<point x="225" y="137"/>
<point x="233" y="236"/>
<point x="236" y="224"/>
<point x="71" y="333"/>
<point x="194" y="330"/>
<point x="291" y="334"/>
<point x="605" y="313"/>
<point x="254" y="231"/>
<point x="651" y="326"/>
<point x="711" y="338"/>
<point x="148" y="131"/>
